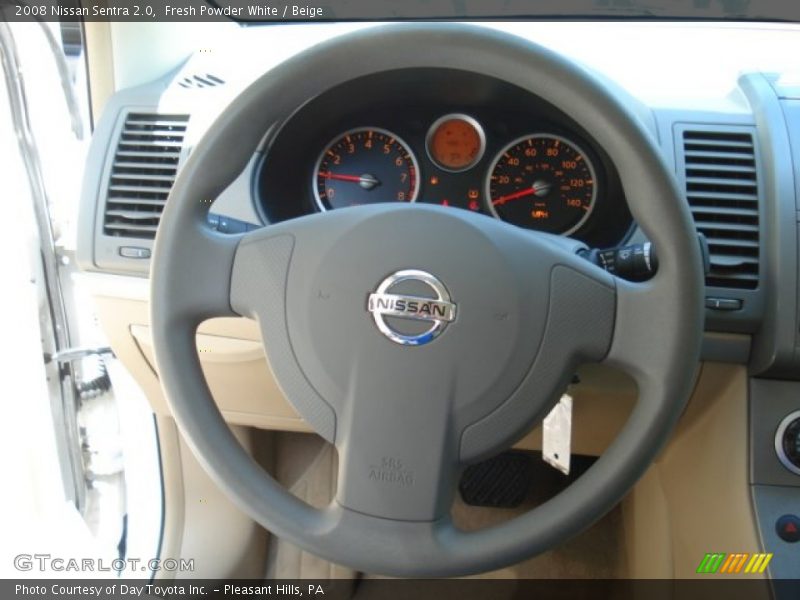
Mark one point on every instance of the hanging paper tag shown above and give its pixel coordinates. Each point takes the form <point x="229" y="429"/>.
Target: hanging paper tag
<point x="557" y="435"/>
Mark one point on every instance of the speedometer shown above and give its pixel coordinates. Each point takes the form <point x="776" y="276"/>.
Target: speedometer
<point x="543" y="182"/>
<point x="365" y="166"/>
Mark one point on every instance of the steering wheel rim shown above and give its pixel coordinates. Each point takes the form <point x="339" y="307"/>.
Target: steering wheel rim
<point x="651" y="330"/>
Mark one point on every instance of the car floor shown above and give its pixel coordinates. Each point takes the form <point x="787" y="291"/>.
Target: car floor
<point x="306" y="465"/>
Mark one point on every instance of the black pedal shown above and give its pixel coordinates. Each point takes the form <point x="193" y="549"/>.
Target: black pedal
<point x="500" y="482"/>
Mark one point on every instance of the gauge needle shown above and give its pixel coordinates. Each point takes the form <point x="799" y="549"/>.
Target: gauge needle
<point x="366" y="181"/>
<point x="534" y="189"/>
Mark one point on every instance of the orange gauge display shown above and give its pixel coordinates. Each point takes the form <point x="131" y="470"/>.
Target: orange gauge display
<point x="456" y="142"/>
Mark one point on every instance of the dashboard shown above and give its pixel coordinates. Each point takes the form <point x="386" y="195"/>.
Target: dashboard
<point x="444" y="137"/>
<point x="724" y="134"/>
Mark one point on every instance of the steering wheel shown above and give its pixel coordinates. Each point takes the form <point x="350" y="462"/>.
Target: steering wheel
<point x="503" y="317"/>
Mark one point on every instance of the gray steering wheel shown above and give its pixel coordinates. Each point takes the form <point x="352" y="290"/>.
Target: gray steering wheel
<point x="513" y="314"/>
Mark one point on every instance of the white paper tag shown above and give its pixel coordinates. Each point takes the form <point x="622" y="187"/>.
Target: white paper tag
<point x="557" y="435"/>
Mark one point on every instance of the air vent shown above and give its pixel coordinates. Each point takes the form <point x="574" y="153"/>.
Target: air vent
<point x="206" y="80"/>
<point x="722" y="190"/>
<point x="144" y="169"/>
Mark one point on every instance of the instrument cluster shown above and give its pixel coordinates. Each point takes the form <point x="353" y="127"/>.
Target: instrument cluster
<point x="538" y="181"/>
<point x="521" y="162"/>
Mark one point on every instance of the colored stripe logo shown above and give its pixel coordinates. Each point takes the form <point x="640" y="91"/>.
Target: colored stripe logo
<point x="734" y="564"/>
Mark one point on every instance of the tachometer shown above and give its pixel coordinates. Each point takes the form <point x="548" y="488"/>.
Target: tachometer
<point x="543" y="182"/>
<point x="365" y="166"/>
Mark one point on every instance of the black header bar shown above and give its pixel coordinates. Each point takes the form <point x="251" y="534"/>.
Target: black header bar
<point x="268" y="11"/>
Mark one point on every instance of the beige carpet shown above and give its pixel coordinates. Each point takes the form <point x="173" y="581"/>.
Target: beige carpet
<point x="597" y="553"/>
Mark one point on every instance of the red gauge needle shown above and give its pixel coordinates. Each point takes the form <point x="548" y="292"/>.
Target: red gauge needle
<point x="366" y="180"/>
<point x="329" y="175"/>
<point x="516" y="195"/>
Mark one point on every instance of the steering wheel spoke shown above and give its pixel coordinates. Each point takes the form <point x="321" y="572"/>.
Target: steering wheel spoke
<point x="194" y="273"/>
<point x="397" y="447"/>
<point x="647" y="341"/>
<point x="635" y="321"/>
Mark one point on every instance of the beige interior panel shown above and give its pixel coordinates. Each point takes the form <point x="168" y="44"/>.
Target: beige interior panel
<point x="230" y="353"/>
<point x="648" y="538"/>
<point x="173" y="493"/>
<point x="696" y="497"/>
<point x="211" y="348"/>
<point x="200" y="522"/>
<point x="239" y="378"/>
<point x="602" y="402"/>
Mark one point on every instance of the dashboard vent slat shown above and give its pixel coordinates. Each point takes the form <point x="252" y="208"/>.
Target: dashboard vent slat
<point x="124" y="176"/>
<point x="142" y="174"/>
<point x="721" y="183"/>
<point x="139" y="189"/>
<point x="149" y="124"/>
<point x="703" y="168"/>
<point x="719" y="180"/>
<point x="724" y="196"/>
<point x="727" y="211"/>
<point x="147" y="229"/>
<point x="200" y="81"/>
<point x="134" y="215"/>
<point x="126" y="202"/>
<point x="161" y="144"/>
<point x="700" y="156"/>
